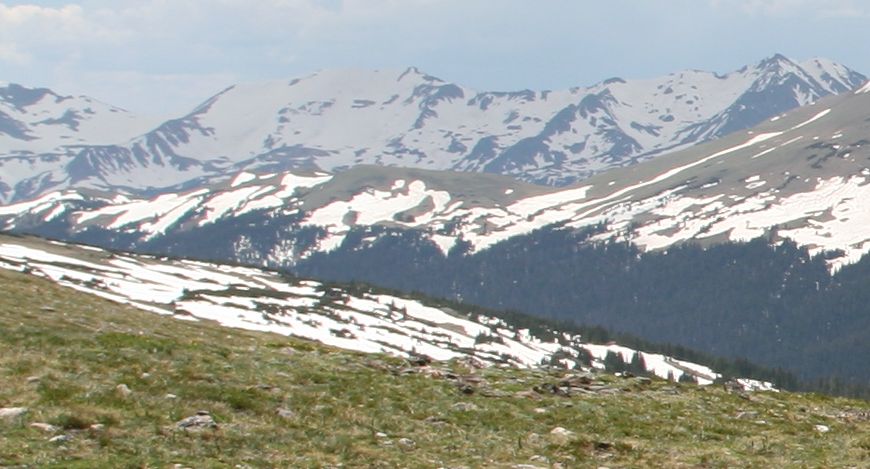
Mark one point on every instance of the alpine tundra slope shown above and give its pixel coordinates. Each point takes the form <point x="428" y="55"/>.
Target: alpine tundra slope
<point x="360" y="319"/>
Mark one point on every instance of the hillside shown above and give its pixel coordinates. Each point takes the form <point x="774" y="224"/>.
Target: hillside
<point x="353" y="317"/>
<point x="278" y="401"/>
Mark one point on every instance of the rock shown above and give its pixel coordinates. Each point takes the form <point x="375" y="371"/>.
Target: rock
<point x="535" y="440"/>
<point x="286" y="414"/>
<point x="419" y="359"/>
<point x="561" y="435"/>
<point x="33" y="379"/>
<point x="747" y="415"/>
<point x="603" y="445"/>
<point x="60" y="439"/>
<point x="465" y="388"/>
<point x="46" y="427"/>
<point x="170" y="396"/>
<point x="528" y="395"/>
<point x="47" y="309"/>
<point x="201" y="421"/>
<point x="407" y="443"/>
<point x="539" y="458"/>
<point x="576" y="381"/>
<point x="465" y="406"/>
<point x="12" y="413"/>
<point x="822" y="428"/>
<point x="97" y="427"/>
<point x="145" y="375"/>
<point x="123" y="390"/>
<point x="381" y="435"/>
<point x="540" y="410"/>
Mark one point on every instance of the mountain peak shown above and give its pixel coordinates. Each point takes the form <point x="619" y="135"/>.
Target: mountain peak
<point x="414" y="72"/>
<point x="776" y="62"/>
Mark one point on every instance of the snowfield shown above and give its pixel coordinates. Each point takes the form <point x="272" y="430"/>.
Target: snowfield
<point x="260" y="300"/>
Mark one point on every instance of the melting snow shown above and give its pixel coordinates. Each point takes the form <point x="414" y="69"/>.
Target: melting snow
<point x="191" y="290"/>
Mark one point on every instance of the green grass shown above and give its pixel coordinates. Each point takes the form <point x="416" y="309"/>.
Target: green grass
<point x="352" y="409"/>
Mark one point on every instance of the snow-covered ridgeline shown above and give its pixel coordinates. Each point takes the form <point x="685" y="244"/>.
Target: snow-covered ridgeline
<point x="336" y="119"/>
<point x="660" y="209"/>
<point x="265" y="301"/>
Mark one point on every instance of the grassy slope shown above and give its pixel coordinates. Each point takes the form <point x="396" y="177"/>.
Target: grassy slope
<point x="65" y="364"/>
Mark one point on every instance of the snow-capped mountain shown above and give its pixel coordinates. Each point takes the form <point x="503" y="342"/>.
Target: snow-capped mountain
<point x="800" y="175"/>
<point x="40" y="129"/>
<point x="336" y="119"/>
<point x="361" y="320"/>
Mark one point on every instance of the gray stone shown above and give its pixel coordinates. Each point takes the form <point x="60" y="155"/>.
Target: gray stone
<point x="201" y="421"/>
<point x="465" y="406"/>
<point x="123" y="390"/>
<point x="407" y="443"/>
<point x="12" y="413"/>
<point x="60" y="439"/>
<point x="46" y="427"/>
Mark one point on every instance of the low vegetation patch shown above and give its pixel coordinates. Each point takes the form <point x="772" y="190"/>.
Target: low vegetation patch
<point x="89" y="383"/>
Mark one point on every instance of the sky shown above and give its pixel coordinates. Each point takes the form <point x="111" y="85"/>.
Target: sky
<point x="163" y="57"/>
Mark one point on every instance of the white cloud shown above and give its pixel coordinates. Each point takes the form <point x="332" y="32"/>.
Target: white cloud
<point x="10" y="53"/>
<point x="781" y="8"/>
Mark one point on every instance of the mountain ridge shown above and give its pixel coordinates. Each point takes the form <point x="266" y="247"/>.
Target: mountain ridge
<point x="334" y="119"/>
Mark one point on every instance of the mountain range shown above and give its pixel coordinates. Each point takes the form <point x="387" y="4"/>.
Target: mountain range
<point x="336" y="119"/>
<point x="778" y="203"/>
<point x="799" y="176"/>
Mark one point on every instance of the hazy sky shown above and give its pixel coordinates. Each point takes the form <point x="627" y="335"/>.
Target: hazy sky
<point x="162" y="57"/>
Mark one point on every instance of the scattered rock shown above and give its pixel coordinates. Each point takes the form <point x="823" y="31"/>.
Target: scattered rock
<point x="47" y="309"/>
<point x="145" y="375"/>
<point x="286" y="414"/>
<point x="747" y="415"/>
<point x="123" y="390"/>
<point x="540" y="410"/>
<point x="419" y="360"/>
<point x="201" y="421"/>
<point x="465" y="388"/>
<point x="822" y="428"/>
<point x="407" y="443"/>
<point x="465" y="406"/>
<point x="535" y="440"/>
<point x="12" y="413"/>
<point x="97" y="427"/>
<point x="527" y="395"/>
<point x="576" y="380"/>
<point x="539" y="458"/>
<point x="60" y="439"/>
<point x="561" y="435"/>
<point x="46" y="427"/>
<point x="435" y="420"/>
<point x="171" y="396"/>
<point x="381" y="435"/>
<point x="603" y="445"/>
<point x="33" y="379"/>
